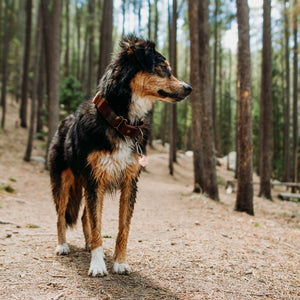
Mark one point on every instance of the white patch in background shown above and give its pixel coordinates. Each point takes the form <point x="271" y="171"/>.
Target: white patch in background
<point x="62" y="249"/>
<point x="138" y="108"/>
<point x="121" y="268"/>
<point x="97" y="267"/>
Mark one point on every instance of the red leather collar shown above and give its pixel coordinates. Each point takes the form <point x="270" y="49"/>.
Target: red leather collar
<point x="117" y="122"/>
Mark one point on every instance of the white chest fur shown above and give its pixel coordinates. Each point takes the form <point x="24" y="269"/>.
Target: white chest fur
<point x="138" y="108"/>
<point x="116" y="162"/>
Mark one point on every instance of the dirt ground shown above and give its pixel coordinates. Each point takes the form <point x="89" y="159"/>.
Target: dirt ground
<point x="181" y="245"/>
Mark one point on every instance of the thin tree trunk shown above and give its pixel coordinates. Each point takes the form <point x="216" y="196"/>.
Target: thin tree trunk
<point x="244" y="200"/>
<point x="90" y="74"/>
<point x="295" y="97"/>
<point x="35" y="86"/>
<point x="23" y="108"/>
<point x="41" y="93"/>
<point x="214" y="88"/>
<point x="78" y="25"/>
<point x="54" y="53"/>
<point x="195" y="97"/>
<point x="220" y="135"/>
<point x="106" y="37"/>
<point x="67" y="53"/>
<point x="21" y="37"/>
<point x="173" y="110"/>
<point x="286" y="137"/>
<point x="209" y="158"/>
<point x="7" y="32"/>
<point x="266" y="100"/>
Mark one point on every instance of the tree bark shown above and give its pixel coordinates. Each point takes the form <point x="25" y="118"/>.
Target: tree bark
<point x="105" y="48"/>
<point x="214" y="88"/>
<point x="67" y="53"/>
<point x="209" y="158"/>
<point x="286" y="137"/>
<point x="195" y="97"/>
<point x="23" y="108"/>
<point x="266" y="106"/>
<point x="295" y="97"/>
<point x="53" y="72"/>
<point x="91" y="21"/>
<point x="7" y="33"/>
<point x="34" y="87"/>
<point x="244" y="200"/>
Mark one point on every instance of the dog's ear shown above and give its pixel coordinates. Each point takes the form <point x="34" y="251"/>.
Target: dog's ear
<point x="145" y="56"/>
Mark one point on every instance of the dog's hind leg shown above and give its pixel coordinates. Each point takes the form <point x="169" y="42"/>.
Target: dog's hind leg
<point x="86" y="228"/>
<point x="94" y="204"/>
<point x="67" y="179"/>
<point x="127" y="201"/>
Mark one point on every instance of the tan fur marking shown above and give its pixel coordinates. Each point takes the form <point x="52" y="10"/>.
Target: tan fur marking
<point x="86" y="228"/>
<point x="67" y="180"/>
<point x="125" y="213"/>
<point x="147" y="85"/>
<point x="93" y="160"/>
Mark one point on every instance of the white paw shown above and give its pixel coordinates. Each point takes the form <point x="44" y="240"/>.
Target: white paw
<point x="97" y="267"/>
<point x="62" y="249"/>
<point x="122" y="269"/>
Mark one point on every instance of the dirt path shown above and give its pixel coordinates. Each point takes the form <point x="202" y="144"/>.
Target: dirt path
<point x="181" y="245"/>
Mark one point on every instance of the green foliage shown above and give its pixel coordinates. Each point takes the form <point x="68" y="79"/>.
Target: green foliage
<point x="7" y="188"/>
<point x="70" y="94"/>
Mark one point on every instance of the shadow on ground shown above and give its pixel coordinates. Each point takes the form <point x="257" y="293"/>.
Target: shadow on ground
<point x="113" y="286"/>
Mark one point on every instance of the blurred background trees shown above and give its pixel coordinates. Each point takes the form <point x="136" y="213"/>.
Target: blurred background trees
<point x="78" y="38"/>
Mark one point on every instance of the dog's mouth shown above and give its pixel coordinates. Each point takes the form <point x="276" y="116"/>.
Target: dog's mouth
<point x="187" y="89"/>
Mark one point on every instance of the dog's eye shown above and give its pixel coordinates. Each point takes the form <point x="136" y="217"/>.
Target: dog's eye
<point x="163" y="71"/>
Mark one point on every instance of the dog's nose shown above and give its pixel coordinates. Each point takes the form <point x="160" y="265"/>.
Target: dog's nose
<point x="187" y="88"/>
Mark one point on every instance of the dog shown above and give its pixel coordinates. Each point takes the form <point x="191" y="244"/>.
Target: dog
<point x="98" y="149"/>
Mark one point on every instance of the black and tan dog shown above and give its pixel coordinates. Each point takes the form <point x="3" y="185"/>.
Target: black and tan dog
<point x="97" y="149"/>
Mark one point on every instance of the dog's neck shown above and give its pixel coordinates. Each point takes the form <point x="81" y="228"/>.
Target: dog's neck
<point x="138" y="108"/>
<point x="117" y="121"/>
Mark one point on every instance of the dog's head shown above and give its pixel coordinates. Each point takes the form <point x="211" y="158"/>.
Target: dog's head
<point x="154" y="80"/>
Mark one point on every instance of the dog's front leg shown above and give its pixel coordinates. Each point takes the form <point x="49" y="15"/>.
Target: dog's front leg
<point x="94" y="204"/>
<point x="127" y="201"/>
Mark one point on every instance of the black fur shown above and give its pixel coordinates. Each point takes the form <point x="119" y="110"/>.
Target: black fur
<point x="86" y="132"/>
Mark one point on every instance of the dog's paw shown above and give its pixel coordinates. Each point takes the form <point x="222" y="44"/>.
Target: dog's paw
<point x="121" y="269"/>
<point x="97" y="267"/>
<point x="62" y="249"/>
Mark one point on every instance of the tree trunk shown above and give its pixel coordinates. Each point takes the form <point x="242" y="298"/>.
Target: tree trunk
<point x="53" y="72"/>
<point x="23" y="108"/>
<point x="41" y="93"/>
<point x="34" y="87"/>
<point x="286" y="137"/>
<point x="295" y="97"/>
<point x="78" y="25"/>
<point x="244" y="200"/>
<point x="173" y="62"/>
<point x="214" y="88"/>
<point x="266" y="101"/>
<point x="67" y="53"/>
<point x="209" y="158"/>
<point x="221" y="104"/>
<point x="195" y="97"/>
<point x="106" y="37"/>
<point x="7" y="32"/>
<point x="90" y="74"/>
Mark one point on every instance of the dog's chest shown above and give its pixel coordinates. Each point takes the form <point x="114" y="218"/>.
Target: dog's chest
<point x="116" y="162"/>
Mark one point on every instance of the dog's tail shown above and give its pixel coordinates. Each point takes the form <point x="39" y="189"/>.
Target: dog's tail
<point x="73" y="206"/>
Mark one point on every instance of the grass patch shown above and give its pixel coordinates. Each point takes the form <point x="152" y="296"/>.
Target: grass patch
<point x="30" y="225"/>
<point x="12" y="179"/>
<point x="221" y="181"/>
<point x="7" y="188"/>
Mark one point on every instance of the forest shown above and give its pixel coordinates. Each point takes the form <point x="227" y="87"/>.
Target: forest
<point x="217" y="212"/>
<point x="245" y="98"/>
